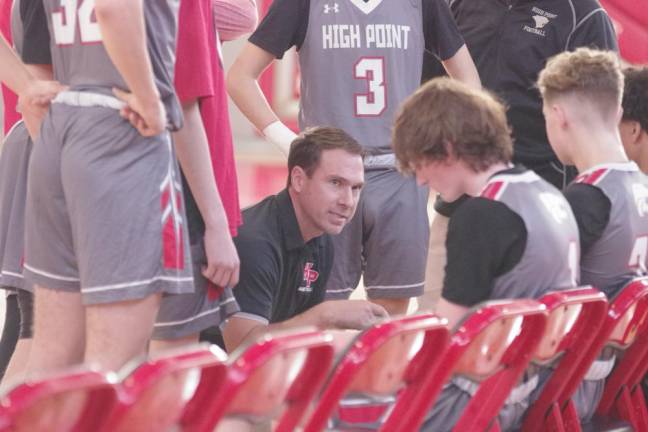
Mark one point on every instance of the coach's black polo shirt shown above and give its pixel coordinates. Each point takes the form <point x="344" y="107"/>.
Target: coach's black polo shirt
<point x="281" y="275"/>
<point x="510" y="42"/>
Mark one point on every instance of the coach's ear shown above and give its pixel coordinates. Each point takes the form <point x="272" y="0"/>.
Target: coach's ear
<point x="297" y="178"/>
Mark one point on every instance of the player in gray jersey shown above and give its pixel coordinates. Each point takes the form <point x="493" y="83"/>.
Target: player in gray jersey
<point x="582" y="93"/>
<point x="359" y="60"/>
<point x="634" y="123"/>
<point x="516" y="239"/>
<point x="105" y="231"/>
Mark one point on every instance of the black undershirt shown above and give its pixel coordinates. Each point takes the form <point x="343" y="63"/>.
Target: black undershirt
<point x="36" y="38"/>
<point x="591" y="207"/>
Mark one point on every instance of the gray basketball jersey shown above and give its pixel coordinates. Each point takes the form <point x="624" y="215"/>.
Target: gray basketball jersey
<point x="359" y="61"/>
<point x="16" y="27"/>
<point x="620" y="253"/>
<point x="552" y="251"/>
<point x="81" y="61"/>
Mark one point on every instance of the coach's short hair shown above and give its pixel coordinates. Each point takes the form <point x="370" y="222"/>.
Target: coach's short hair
<point x="446" y="114"/>
<point x="306" y="150"/>
<point x="591" y="74"/>
<point x="635" y="95"/>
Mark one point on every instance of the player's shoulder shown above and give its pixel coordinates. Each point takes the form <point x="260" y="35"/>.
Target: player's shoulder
<point x="480" y="211"/>
<point x="583" y="9"/>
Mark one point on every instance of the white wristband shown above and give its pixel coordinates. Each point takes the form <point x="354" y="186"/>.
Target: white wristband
<point x="280" y="135"/>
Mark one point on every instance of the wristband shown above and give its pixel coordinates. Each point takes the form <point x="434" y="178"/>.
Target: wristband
<point x="279" y="134"/>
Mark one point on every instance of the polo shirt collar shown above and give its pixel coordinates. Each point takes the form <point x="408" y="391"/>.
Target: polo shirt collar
<point x="288" y="221"/>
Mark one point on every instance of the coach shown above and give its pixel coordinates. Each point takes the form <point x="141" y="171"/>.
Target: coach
<point x="285" y="247"/>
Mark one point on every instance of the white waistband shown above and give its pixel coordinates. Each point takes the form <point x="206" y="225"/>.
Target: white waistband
<point x="85" y="99"/>
<point x="600" y="369"/>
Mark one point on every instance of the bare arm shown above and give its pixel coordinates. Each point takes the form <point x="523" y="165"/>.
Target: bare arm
<point x="453" y="312"/>
<point x="396" y="306"/>
<point x="461" y="67"/>
<point x="13" y="72"/>
<point x="336" y="314"/>
<point x="124" y="37"/>
<point x="243" y="88"/>
<point x="193" y="154"/>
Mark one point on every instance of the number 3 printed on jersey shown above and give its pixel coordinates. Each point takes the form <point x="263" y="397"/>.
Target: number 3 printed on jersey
<point x="71" y="13"/>
<point x="374" y="102"/>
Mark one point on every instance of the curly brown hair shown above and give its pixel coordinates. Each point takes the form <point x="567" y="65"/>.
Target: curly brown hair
<point x="445" y="116"/>
<point x="635" y="95"/>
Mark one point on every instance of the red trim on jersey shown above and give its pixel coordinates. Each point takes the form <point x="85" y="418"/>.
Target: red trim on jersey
<point x="592" y="177"/>
<point x="491" y="191"/>
<point x="172" y="236"/>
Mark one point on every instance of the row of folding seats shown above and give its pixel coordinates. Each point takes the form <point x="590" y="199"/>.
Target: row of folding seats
<point x="300" y="381"/>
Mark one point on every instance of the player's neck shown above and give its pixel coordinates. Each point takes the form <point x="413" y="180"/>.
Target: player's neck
<point x="478" y="181"/>
<point x="597" y="146"/>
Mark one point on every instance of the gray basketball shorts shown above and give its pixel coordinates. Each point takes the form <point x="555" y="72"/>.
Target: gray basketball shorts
<point x="14" y="161"/>
<point x="104" y="208"/>
<point x="187" y="314"/>
<point x="386" y="241"/>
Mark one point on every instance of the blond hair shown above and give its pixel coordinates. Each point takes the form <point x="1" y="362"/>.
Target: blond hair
<point x="587" y="73"/>
<point x="445" y="113"/>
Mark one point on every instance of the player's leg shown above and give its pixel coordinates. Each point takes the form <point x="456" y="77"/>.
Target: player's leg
<point x="436" y="261"/>
<point x="396" y="238"/>
<point x="50" y="262"/>
<point x="131" y="243"/>
<point x="107" y="345"/>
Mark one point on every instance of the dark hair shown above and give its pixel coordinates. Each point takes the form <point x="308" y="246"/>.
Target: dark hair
<point x="445" y="115"/>
<point x="306" y="150"/>
<point x="635" y="95"/>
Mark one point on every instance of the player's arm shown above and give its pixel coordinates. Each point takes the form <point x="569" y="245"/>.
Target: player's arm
<point x="333" y="314"/>
<point x="243" y="88"/>
<point x="451" y="311"/>
<point x="193" y="154"/>
<point x="462" y="67"/>
<point x="124" y="37"/>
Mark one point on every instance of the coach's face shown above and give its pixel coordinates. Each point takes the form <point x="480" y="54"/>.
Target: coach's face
<point x="327" y="200"/>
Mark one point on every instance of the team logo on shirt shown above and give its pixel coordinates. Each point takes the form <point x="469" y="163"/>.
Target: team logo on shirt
<point x="328" y="8"/>
<point x="540" y="19"/>
<point x="310" y="277"/>
<point x="640" y="193"/>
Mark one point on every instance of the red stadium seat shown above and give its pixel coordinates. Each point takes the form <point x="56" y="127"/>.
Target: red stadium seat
<point x="575" y="318"/>
<point x="626" y="329"/>
<point x="154" y="394"/>
<point x="76" y="400"/>
<point x="492" y="346"/>
<point x="377" y="364"/>
<point x="275" y="378"/>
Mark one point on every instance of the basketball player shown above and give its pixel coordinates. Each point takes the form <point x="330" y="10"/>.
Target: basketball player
<point x="105" y="230"/>
<point x="457" y="140"/>
<point x="359" y="60"/>
<point x="634" y="123"/>
<point x="582" y="92"/>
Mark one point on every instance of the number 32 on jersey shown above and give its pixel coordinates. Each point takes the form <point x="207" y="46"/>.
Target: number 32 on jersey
<point x="71" y="14"/>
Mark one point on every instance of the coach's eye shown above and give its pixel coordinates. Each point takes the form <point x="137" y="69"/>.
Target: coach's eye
<point x="336" y="182"/>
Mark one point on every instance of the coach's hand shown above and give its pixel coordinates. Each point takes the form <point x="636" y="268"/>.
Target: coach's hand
<point x="222" y="259"/>
<point x="148" y="117"/>
<point x="34" y="102"/>
<point x="352" y="314"/>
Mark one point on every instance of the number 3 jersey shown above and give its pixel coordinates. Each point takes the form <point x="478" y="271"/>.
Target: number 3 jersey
<point x="358" y="62"/>
<point x="619" y="250"/>
<point x="80" y="59"/>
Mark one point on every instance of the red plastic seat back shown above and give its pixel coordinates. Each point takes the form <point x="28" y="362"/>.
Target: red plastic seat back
<point x="65" y="401"/>
<point x="626" y="329"/>
<point x="154" y="395"/>
<point x="389" y="359"/>
<point x="275" y="378"/>
<point x="492" y="347"/>
<point x="574" y="321"/>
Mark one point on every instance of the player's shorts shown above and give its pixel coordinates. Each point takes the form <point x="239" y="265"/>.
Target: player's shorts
<point x="187" y="314"/>
<point x="387" y="239"/>
<point x="104" y="206"/>
<point x="14" y="161"/>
